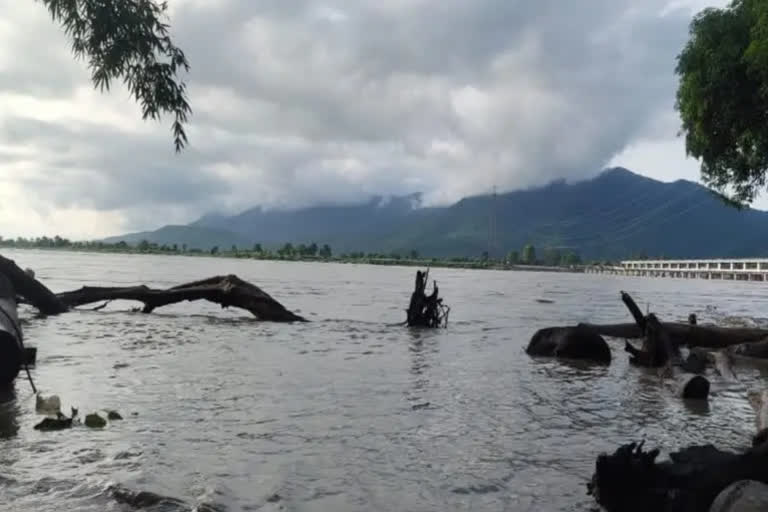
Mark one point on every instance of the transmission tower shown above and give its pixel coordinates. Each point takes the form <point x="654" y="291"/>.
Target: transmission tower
<point x="492" y="235"/>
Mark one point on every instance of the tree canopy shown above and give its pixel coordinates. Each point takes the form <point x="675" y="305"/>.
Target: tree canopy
<point x="129" y="40"/>
<point x="722" y="97"/>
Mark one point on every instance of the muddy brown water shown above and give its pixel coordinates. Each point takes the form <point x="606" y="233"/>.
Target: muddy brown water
<point x="347" y="413"/>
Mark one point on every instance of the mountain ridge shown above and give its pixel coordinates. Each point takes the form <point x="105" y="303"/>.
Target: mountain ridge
<point x="616" y="214"/>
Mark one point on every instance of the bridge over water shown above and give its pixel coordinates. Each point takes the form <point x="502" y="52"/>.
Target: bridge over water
<point x="752" y="269"/>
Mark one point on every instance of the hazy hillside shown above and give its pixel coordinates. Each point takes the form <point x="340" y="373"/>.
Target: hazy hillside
<point x="191" y="236"/>
<point x="614" y="215"/>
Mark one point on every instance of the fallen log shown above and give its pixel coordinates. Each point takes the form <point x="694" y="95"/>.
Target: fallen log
<point x="630" y="479"/>
<point x="31" y="289"/>
<point x="637" y="315"/>
<point x="426" y="310"/>
<point x="227" y="291"/>
<point x="658" y="349"/>
<point x="687" y="334"/>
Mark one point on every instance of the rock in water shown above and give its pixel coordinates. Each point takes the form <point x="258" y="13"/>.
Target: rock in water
<point x="114" y="415"/>
<point x="95" y="421"/>
<point x="742" y="496"/>
<point x="59" y="423"/>
<point x="696" y="389"/>
<point x="578" y="342"/>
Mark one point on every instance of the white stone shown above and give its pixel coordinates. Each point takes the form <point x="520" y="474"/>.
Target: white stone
<point x="759" y="402"/>
<point x="742" y="496"/>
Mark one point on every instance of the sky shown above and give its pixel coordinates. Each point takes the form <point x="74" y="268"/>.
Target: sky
<point x="300" y="102"/>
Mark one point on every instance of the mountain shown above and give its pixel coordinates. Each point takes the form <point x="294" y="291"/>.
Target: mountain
<point x="191" y="236"/>
<point x="614" y="215"/>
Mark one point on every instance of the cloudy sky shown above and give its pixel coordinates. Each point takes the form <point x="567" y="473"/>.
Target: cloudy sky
<point x="299" y="101"/>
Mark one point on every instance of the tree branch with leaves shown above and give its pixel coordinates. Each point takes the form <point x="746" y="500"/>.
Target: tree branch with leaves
<point x="130" y="40"/>
<point x="722" y="98"/>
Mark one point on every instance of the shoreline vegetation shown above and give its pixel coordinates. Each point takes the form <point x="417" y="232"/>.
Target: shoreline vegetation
<point x="551" y="260"/>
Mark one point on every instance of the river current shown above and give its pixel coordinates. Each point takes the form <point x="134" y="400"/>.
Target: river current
<point x="347" y="412"/>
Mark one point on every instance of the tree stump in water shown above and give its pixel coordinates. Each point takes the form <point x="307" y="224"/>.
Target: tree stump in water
<point x="426" y="310"/>
<point x="630" y="479"/>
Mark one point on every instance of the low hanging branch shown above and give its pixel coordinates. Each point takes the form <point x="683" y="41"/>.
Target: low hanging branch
<point x="426" y="310"/>
<point x="225" y="290"/>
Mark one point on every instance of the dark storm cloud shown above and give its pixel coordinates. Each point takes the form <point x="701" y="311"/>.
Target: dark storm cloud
<point x="93" y="167"/>
<point x="299" y="101"/>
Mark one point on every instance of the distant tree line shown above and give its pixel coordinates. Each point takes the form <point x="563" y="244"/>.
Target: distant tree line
<point x="312" y="250"/>
<point x="550" y="257"/>
<point x="528" y="255"/>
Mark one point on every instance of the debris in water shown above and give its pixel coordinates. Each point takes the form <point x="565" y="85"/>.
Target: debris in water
<point x="47" y="405"/>
<point x="95" y="421"/>
<point x="60" y="422"/>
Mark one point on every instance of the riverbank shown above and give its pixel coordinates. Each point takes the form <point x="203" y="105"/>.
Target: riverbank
<point x="364" y="260"/>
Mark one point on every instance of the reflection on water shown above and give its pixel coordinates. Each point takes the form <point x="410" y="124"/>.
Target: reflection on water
<point x="348" y="412"/>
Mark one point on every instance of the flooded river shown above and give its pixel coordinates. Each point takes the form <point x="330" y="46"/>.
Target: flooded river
<point x="345" y="413"/>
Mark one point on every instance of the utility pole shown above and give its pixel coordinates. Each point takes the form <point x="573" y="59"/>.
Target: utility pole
<point x="492" y="240"/>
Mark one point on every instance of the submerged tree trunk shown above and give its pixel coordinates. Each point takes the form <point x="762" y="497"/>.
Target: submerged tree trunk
<point x="426" y="310"/>
<point x="225" y="290"/>
<point x="32" y="290"/>
<point x="658" y="349"/>
<point x="691" y="335"/>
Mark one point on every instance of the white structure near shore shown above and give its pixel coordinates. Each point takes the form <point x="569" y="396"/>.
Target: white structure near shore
<point x="753" y="269"/>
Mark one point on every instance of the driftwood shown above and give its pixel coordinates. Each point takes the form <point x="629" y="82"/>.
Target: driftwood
<point x="31" y="289"/>
<point x="225" y="290"/>
<point x="630" y="479"/>
<point x="426" y="310"/>
<point x="637" y="315"/>
<point x="708" y="336"/>
<point x="658" y="349"/>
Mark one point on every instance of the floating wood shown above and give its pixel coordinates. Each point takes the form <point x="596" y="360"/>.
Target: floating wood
<point x="228" y="291"/>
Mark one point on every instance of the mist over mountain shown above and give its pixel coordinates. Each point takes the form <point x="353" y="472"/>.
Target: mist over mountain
<point x="617" y="214"/>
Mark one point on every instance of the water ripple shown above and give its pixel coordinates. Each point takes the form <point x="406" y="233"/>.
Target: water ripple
<point x="349" y="412"/>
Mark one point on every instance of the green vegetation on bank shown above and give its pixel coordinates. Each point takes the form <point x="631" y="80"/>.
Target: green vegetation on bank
<point x="548" y="258"/>
<point x="722" y="97"/>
